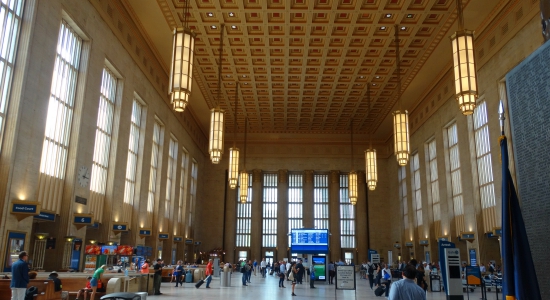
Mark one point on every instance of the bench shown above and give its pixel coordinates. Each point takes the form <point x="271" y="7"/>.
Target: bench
<point x="45" y="289"/>
<point x="73" y="285"/>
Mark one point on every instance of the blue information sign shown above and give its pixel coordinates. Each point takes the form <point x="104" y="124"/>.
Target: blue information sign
<point x="473" y="257"/>
<point x="45" y="216"/>
<point x="82" y="220"/>
<point x="178" y="239"/>
<point x="120" y="227"/>
<point x="371" y="252"/>
<point x="19" y="208"/>
<point x="442" y="263"/>
<point x="189" y="242"/>
<point x="144" y="232"/>
<point x="163" y="236"/>
<point x="314" y="241"/>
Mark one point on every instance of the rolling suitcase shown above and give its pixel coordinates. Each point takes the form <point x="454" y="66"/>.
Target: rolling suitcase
<point x="379" y="291"/>
<point x="199" y="283"/>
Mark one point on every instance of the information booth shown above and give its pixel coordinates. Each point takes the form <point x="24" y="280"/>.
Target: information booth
<point x="313" y="244"/>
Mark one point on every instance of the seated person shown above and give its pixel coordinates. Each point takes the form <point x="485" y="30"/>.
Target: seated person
<point x="84" y="291"/>
<point x="57" y="284"/>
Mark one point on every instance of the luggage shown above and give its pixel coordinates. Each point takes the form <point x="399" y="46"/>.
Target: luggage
<point x="189" y="277"/>
<point x="198" y="284"/>
<point x="379" y="291"/>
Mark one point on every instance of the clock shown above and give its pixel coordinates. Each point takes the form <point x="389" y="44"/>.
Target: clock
<point x="83" y="176"/>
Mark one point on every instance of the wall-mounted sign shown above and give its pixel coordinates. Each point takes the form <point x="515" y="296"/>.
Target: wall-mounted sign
<point x="120" y="227"/>
<point x="93" y="226"/>
<point x="424" y="242"/>
<point x="398" y="246"/>
<point x="178" y="239"/>
<point x="197" y="243"/>
<point x="80" y="200"/>
<point x="145" y="232"/>
<point x="45" y="216"/>
<point x="83" y="219"/>
<point x="467" y="236"/>
<point x="189" y="242"/>
<point x="443" y="239"/>
<point x="163" y="236"/>
<point x="23" y="209"/>
<point x="409" y="244"/>
<point x="497" y="231"/>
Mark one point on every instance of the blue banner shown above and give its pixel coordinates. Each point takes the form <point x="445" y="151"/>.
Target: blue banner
<point x="519" y="279"/>
<point x="45" y="216"/>
<point x="473" y="257"/>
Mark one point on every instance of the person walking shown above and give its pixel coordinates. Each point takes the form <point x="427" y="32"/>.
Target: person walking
<point x="331" y="272"/>
<point x="209" y="273"/>
<point x="386" y="277"/>
<point x="407" y="289"/>
<point x="282" y="274"/>
<point x="262" y="266"/>
<point x="370" y="273"/>
<point x="292" y="276"/>
<point x="19" y="277"/>
<point x="300" y="271"/>
<point x="157" y="277"/>
<point x="420" y="280"/>
<point x="178" y="272"/>
<point x="96" y="279"/>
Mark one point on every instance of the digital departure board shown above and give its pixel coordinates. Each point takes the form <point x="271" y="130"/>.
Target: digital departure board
<point x="311" y="241"/>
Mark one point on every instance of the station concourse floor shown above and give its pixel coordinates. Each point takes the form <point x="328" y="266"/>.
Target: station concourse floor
<point x="267" y="288"/>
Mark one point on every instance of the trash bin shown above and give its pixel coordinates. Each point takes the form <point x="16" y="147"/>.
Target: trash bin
<point x="435" y="283"/>
<point x="223" y="279"/>
<point x="121" y="296"/>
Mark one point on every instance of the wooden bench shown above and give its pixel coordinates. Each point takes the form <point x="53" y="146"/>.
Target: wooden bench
<point x="73" y="285"/>
<point x="45" y="289"/>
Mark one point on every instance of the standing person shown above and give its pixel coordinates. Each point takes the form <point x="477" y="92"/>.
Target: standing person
<point x="386" y="277"/>
<point x="378" y="278"/>
<point x="96" y="279"/>
<point x="249" y="271"/>
<point x="19" y="277"/>
<point x="255" y="266"/>
<point x="282" y="271"/>
<point x="178" y="271"/>
<point x="244" y="266"/>
<point x="145" y="267"/>
<point x="262" y="267"/>
<point x="209" y="273"/>
<point x="331" y="272"/>
<point x="300" y="271"/>
<point x="407" y="289"/>
<point x="420" y="273"/>
<point x="312" y="276"/>
<point x="292" y="276"/>
<point x="158" y="276"/>
<point x="370" y="273"/>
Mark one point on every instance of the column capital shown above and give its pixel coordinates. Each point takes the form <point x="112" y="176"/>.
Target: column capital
<point x="308" y="178"/>
<point x="283" y="176"/>
<point x="335" y="176"/>
<point x="256" y="175"/>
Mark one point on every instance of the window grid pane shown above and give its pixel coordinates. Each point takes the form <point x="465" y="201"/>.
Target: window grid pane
<point x="244" y="216"/>
<point x="192" y="197"/>
<point x="295" y="200"/>
<point x="456" y="182"/>
<point x="484" y="166"/>
<point x="153" y="172"/>
<point x="183" y="186"/>
<point x="270" y="211"/>
<point x="434" y="179"/>
<point x="10" y="23"/>
<point x="415" y="182"/>
<point x="59" y="118"/>
<point x="170" y="177"/>
<point x="402" y="176"/>
<point x="320" y="201"/>
<point x="347" y="215"/>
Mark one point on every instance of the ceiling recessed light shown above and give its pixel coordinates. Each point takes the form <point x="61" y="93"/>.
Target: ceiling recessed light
<point x="233" y="27"/>
<point x="361" y="77"/>
<point x="246" y="83"/>
<point x="374" y="84"/>
<point x="227" y="75"/>
<point x="231" y="14"/>
<point x="410" y="16"/>
<point x="213" y="27"/>
<point x="377" y="77"/>
<point x="383" y="28"/>
<point x="210" y="14"/>
<point x="388" y="15"/>
<point x="403" y="28"/>
<point x="244" y="76"/>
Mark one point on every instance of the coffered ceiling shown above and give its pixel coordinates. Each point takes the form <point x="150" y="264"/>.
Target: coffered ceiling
<point x="303" y="66"/>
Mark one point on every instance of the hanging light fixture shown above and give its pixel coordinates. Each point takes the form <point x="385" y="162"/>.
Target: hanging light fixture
<point x="464" y="65"/>
<point x="400" y="116"/>
<point x="352" y="181"/>
<point x="181" y="68"/>
<point x="234" y="151"/>
<point x="243" y="178"/>
<point x="370" y="156"/>
<point x="215" y="142"/>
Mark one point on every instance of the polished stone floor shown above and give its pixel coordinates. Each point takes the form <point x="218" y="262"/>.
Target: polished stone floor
<point x="267" y="288"/>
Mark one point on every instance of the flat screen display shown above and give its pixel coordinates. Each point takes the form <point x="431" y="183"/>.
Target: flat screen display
<point x="319" y="265"/>
<point x="311" y="241"/>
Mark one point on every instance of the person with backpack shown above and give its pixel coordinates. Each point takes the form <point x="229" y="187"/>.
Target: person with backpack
<point x="244" y="271"/>
<point x="370" y="273"/>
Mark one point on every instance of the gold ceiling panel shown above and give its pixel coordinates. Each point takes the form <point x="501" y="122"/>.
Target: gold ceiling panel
<point x="304" y="65"/>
